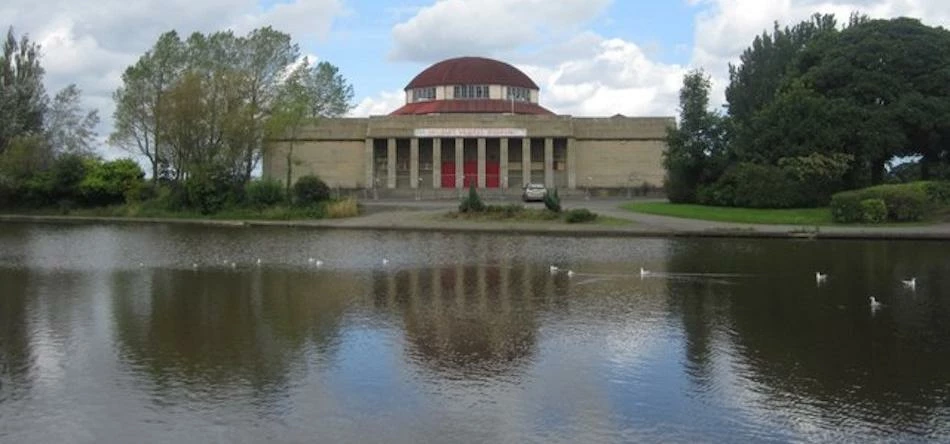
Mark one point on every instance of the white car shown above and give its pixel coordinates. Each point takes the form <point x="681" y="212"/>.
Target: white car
<point x="533" y="192"/>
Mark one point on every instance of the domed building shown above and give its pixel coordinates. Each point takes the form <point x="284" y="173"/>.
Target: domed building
<point x="474" y="121"/>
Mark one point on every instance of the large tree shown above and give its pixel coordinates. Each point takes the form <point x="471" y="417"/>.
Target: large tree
<point x="69" y="129"/>
<point x="22" y="96"/>
<point x="696" y="146"/>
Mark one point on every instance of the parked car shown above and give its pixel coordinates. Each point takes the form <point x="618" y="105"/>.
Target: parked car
<point x="533" y="192"/>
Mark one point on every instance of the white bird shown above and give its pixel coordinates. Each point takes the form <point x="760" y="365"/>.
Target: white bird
<point x="553" y="269"/>
<point x="385" y="261"/>
<point x="874" y="303"/>
<point x="643" y="272"/>
<point x="233" y="264"/>
<point x="318" y="263"/>
<point x="910" y="283"/>
<point x="310" y="261"/>
<point x="570" y="273"/>
<point x="820" y="277"/>
<point x="258" y="262"/>
<point x="141" y="264"/>
<point x="194" y="265"/>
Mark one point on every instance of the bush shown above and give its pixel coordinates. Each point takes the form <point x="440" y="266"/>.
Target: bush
<point x="580" y="215"/>
<point x="552" y="202"/>
<point x="509" y="210"/>
<point x="751" y="185"/>
<point x="264" y="193"/>
<point x="112" y="182"/>
<point x="938" y="192"/>
<point x="873" y="211"/>
<point x="309" y="190"/>
<point x="904" y="202"/>
<point x="472" y="202"/>
<point x="343" y="208"/>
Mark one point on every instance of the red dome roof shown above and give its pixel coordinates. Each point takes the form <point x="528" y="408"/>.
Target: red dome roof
<point x="478" y="106"/>
<point x="471" y="71"/>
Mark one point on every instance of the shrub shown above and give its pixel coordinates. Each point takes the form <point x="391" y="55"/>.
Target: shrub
<point x="753" y="186"/>
<point x="509" y="210"/>
<point x="552" y="202"/>
<point x="873" y="211"/>
<point x="343" y="208"/>
<point x="938" y="192"/>
<point x="472" y="202"/>
<point x="309" y="190"/>
<point x="111" y="182"/>
<point x="904" y="202"/>
<point x="580" y="215"/>
<point x="264" y="193"/>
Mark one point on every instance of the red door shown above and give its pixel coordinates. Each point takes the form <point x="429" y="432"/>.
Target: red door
<point x="471" y="174"/>
<point x="492" y="174"/>
<point x="448" y="174"/>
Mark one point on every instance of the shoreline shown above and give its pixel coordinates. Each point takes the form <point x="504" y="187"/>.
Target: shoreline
<point x="644" y="226"/>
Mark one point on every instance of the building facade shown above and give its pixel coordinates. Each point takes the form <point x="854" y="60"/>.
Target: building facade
<point x="474" y="121"/>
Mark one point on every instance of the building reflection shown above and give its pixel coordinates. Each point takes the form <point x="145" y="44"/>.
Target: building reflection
<point x="215" y="329"/>
<point x="469" y="320"/>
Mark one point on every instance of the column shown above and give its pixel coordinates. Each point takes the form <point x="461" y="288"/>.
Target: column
<point x="571" y="164"/>
<point x="503" y="168"/>
<point x="548" y="162"/>
<point x="414" y="162"/>
<point x="526" y="160"/>
<point x="459" y="164"/>
<point x="481" y="163"/>
<point x="391" y="163"/>
<point x="369" y="164"/>
<point x="437" y="163"/>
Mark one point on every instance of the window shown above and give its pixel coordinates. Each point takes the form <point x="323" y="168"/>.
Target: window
<point x="519" y="94"/>
<point x="422" y="94"/>
<point x="471" y="91"/>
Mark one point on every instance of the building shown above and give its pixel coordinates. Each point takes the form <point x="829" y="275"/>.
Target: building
<point x="475" y="121"/>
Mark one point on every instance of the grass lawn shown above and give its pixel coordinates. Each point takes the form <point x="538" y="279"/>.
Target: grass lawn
<point x="795" y="216"/>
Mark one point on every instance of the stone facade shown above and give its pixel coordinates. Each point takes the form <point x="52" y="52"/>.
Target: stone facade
<point x="493" y="151"/>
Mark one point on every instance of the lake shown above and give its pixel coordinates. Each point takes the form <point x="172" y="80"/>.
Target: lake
<point x="173" y="333"/>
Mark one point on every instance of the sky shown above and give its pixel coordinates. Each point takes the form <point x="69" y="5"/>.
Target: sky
<point x="590" y="57"/>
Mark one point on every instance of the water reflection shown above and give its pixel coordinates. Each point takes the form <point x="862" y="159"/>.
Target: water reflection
<point x="465" y="336"/>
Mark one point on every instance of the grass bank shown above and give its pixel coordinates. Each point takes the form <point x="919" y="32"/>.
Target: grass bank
<point x="795" y="216"/>
<point x="518" y="213"/>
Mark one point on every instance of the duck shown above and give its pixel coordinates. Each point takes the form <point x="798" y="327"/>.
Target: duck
<point x="910" y="283"/>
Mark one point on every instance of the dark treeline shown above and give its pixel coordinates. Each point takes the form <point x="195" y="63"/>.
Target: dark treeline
<point x="814" y="109"/>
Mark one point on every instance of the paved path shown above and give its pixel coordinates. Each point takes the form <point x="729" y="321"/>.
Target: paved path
<point x="428" y="215"/>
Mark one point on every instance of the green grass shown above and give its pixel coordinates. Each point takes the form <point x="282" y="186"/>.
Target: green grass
<point x="795" y="216"/>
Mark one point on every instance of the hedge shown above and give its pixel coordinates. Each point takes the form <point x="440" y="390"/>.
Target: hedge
<point x="904" y="202"/>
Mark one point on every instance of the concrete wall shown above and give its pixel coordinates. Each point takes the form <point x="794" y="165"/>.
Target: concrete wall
<point x="338" y="163"/>
<point x="619" y="164"/>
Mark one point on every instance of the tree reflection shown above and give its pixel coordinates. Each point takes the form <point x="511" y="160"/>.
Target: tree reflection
<point x="821" y="344"/>
<point x="217" y="329"/>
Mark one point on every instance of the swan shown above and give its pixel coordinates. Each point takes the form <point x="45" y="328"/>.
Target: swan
<point x="874" y="303"/>
<point x="910" y="283"/>
<point x="820" y="277"/>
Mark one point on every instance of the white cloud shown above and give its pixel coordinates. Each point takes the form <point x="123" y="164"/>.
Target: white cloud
<point x="479" y="27"/>
<point x="90" y="43"/>
<point x="383" y="103"/>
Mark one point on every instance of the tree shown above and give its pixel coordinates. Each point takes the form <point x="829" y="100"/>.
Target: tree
<point x="144" y="86"/>
<point x="307" y="93"/>
<point x="697" y="146"/>
<point x="68" y="129"/>
<point x="22" y="97"/>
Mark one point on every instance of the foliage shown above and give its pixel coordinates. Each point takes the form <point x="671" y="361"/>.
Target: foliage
<point x="696" y="147"/>
<point x="796" y="216"/>
<point x="580" y="215"/>
<point x="68" y="129"/>
<point x="938" y="192"/>
<point x="109" y="183"/>
<point x="904" y="202"/>
<point x="472" y="202"/>
<point x="752" y="185"/>
<point x="873" y="211"/>
<point x="310" y="190"/>
<point x="347" y="207"/>
<point x="552" y="202"/>
<point x="23" y="99"/>
<point x="264" y="193"/>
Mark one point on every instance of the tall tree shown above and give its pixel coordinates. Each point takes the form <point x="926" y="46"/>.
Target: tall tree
<point x="69" y="129"/>
<point x="309" y="92"/>
<point x="137" y="122"/>
<point x="696" y="147"/>
<point x="22" y="96"/>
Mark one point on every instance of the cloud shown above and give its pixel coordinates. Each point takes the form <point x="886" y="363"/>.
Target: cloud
<point x="485" y="27"/>
<point x="383" y="103"/>
<point x="91" y="43"/>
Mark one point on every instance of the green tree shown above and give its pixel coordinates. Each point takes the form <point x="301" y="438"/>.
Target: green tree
<point x="22" y="96"/>
<point x="68" y="128"/>
<point x="697" y="145"/>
